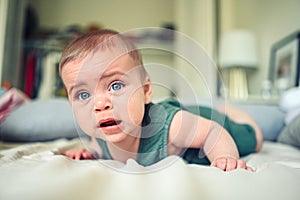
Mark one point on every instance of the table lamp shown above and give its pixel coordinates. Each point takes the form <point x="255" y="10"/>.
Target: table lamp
<point x="237" y="53"/>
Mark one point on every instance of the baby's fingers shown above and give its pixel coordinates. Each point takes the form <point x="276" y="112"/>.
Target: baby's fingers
<point x="83" y="154"/>
<point x="69" y="154"/>
<point x="78" y="154"/>
<point x="242" y="164"/>
<point x="228" y="164"/>
<point x="87" y="155"/>
<point x="231" y="164"/>
<point x="219" y="163"/>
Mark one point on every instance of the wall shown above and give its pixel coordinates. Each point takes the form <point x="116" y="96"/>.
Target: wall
<point x="11" y="40"/>
<point x="195" y="65"/>
<point x="195" y="18"/>
<point x="115" y="14"/>
<point x="270" y="20"/>
<point x="119" y="15"/>
<point x="3" y="14"/>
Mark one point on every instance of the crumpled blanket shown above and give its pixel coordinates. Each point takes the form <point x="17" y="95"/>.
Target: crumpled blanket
<point x="37" y="171"/>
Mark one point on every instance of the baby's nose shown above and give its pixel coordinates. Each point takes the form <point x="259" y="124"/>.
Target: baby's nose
<point x="102" y="103"/>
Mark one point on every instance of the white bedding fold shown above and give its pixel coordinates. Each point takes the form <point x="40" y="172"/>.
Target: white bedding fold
<point x="35" y="171"/>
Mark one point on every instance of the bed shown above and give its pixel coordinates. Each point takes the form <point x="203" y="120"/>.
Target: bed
<point x="36" y="170"/>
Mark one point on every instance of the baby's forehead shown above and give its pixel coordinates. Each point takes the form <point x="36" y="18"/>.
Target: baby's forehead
<point x="108" y="63"/>
<point x="109" y="58"/>
<point x="103" y="61"/>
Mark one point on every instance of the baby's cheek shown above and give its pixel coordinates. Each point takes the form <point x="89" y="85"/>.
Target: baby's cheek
<point x="136" y="112"/>
<point x="85" y="120"/>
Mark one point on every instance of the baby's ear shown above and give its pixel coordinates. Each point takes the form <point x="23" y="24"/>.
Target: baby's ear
<point x="148" y="90"/>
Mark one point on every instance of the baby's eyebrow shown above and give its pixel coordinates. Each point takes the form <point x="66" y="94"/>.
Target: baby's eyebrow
<point x="113" y="73"/>
<point x="103" y="76"/>
<point x="79" y="84"/>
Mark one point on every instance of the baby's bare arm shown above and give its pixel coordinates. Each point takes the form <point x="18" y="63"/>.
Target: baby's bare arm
<point x="191" y="131"/>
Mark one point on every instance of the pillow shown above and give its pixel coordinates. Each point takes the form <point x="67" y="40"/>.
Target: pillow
<point x="290" y="99"/>
<point x="291" y="133"/>
<point x="270" y="119"/>
<point x="40" y="120"/>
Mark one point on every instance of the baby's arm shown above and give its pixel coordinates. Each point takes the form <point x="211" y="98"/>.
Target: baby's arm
<point x="208" y="135"/>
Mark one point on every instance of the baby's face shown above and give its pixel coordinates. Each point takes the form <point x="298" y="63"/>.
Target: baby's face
<point x="107" y="94"/>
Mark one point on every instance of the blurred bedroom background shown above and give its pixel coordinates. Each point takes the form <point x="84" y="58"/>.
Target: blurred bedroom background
<point x="34" y="32"/>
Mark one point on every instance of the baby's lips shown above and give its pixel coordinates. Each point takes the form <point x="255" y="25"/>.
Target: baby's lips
<point x="108" y="122"/>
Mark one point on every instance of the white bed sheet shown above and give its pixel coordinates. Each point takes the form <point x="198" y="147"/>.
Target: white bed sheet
<point x="36" y="171"/>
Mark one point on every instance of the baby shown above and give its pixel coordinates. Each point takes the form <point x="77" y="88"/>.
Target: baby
<point x="110" y="93"/>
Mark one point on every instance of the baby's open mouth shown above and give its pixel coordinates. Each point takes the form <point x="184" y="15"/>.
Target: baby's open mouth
<point x="109" y="122"/>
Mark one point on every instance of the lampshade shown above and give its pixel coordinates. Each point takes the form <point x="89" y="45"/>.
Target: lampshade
<point x="238" y="49"/>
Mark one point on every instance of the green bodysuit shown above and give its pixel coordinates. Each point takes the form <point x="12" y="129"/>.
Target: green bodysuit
<point x="156" y="123"/>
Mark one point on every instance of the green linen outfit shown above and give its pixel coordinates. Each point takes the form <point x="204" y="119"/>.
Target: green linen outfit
<point x="155" y="129"/>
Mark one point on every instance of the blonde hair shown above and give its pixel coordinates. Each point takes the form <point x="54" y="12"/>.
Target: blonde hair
<point x="81" y="46"/>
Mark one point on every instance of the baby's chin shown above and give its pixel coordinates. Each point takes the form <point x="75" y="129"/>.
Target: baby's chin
<point x="115" y="137"/>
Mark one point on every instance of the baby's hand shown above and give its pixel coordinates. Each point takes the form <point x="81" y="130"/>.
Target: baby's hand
<point x="228" y="164"/>
<point x="79" y="154"/>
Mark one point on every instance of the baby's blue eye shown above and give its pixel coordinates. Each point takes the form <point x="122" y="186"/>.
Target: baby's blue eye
<point x="84" y="95"/>
<point x="116" y="86"/>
